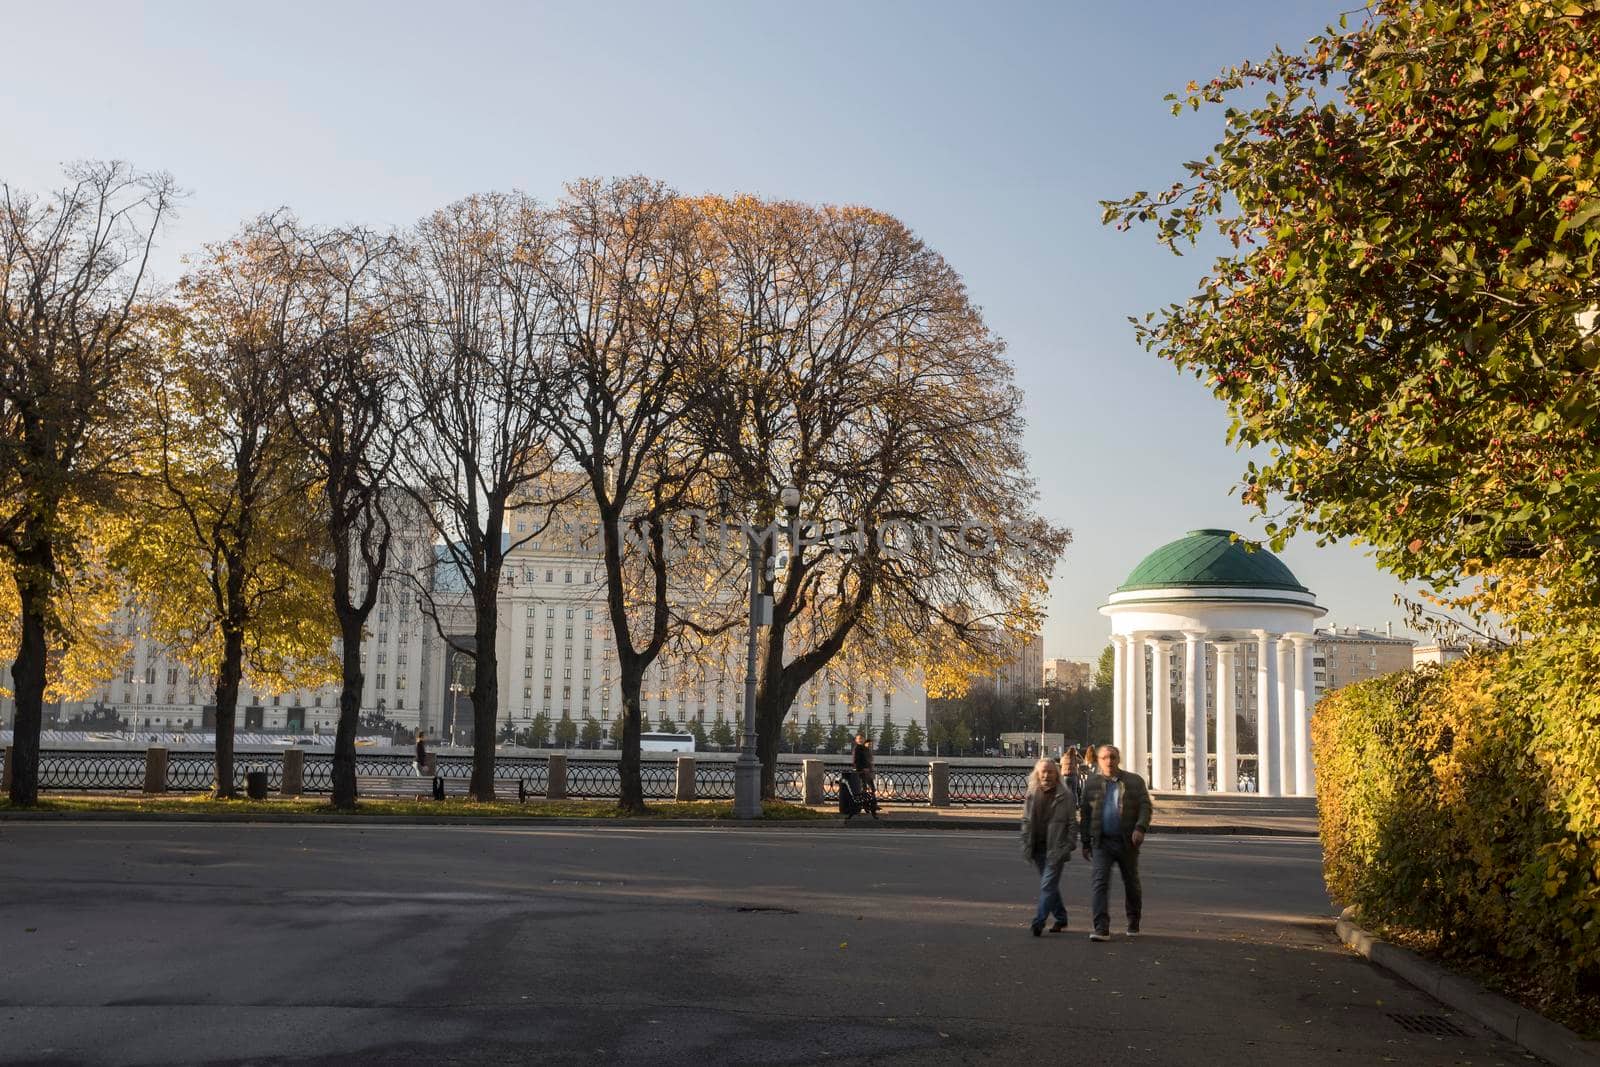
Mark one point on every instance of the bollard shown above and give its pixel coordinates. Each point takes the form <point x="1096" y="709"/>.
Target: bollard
<point x="255" y="784"/>
<point x="5" y="773"/>
<point x="155" y="769"/>
<point x="556" y="787"/>
<point x="685" y="782"/>
<point x="812" y="772"/>
<point x="294" y="772"/>
<point x="939" y="784"/>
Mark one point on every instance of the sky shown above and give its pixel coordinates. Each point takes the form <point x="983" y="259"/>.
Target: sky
<point x="992" y="130"/>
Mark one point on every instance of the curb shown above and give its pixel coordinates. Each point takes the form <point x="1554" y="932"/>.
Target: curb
<point x="329" y="818"/>
<point x="1540" y="1036"/>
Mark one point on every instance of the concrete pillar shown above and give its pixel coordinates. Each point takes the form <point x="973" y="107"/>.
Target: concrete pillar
<point x="1305" y="696"/>
<point x="1267" y="780"/>
<point x="683" y="786"/>
<point x="813" y="781"/>
<point x="1119" y="689"/>
<point x="1134" y="757"/>
<point x="294" y="772"/>
<point x="5" y="772"/>
<point x="155" y="769"/>
<point x="556" y="784"/>
<point x="1161" y="720"/>
<point x="1285" y="717"/>
<point x="939" y="783"/>
<point x="1227" y="764"/>
<point x="1194" y="712"/>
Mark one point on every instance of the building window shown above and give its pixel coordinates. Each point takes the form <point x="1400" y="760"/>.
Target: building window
<point x="527" y="670"/>
<point x="383" y="681"/>
<point x="569" y="577"/>
<point x="532" y="611"/>
<point x="549" y="575"/>
<point x="549" y="613"/>
<point x="547" y="670"/>
<point x="569" y="633"/>
<point x="566" y="673"/>
<point x="549" y="633"/>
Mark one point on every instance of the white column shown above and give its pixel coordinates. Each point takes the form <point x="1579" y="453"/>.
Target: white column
<point x="1194" y="712"/>
<point x="1227" y="765"/>
<point x="1285" y="737"/>
<point x="1133" y="759"/>
<point x="1119" y="687"/>
<point x="1266" y="714"/>
<point x="1305" y="695"/>
<point x="1161" y="719"/>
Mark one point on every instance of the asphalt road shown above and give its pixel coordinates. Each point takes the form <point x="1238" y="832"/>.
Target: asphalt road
<point x="269" y="944"/>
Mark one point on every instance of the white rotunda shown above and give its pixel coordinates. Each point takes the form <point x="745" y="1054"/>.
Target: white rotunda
<point x="1209" y="590"/>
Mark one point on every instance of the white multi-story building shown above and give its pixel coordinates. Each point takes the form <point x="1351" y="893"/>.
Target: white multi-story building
<point x="555" y="655"/>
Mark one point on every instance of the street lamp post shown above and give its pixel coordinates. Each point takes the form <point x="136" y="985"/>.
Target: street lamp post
<point x="1043" y="702"/>
<point x="747" y="770"/>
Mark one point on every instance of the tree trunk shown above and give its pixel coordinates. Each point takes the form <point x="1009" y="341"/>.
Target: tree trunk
<point x="631" y="792"/>
<point x="227" y="708"/>
<point x="485" y="694"/>
<point x="28" y="673"/>
<point x="774" y="697"/>
<point x="344" y="742"/>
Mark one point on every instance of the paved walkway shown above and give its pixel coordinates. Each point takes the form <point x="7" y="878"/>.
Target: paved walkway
<point x="1176" y="812"/>
<point x="164" y="944"/>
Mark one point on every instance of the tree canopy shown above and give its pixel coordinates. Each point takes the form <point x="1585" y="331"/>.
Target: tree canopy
<point x="1404" y="314"/>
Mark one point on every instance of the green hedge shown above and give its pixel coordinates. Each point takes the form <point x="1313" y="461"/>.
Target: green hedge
<point x="1463" y="803"/>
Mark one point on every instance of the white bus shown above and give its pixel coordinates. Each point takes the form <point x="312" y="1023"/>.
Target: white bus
<point x="666" y="742"/>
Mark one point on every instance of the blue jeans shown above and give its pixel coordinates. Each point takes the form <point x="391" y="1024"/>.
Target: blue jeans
<point x="1050" y="902"/>
<point x="1114" y="850"/>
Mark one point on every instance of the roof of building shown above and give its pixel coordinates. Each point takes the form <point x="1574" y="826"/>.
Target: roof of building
<point x="1211" y="558"/>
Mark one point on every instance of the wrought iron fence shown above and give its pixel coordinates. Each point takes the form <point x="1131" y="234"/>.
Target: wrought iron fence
<point x="80" y="769"/>
<point x="60" y="769"/>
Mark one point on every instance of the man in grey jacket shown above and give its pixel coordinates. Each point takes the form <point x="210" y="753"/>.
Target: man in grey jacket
<point x="1115" y="810"/>
<point x="1049" y="834"/>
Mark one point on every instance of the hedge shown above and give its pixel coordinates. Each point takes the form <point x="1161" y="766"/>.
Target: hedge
<point x="1463" y="803"/>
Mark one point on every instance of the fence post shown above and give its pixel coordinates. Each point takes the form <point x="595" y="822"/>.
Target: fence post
<point x="556" y="785"/>
<point x="685" y="782"/>
<point x="155" y="769"/>
<point x="939" y="783"/>
<point x="812" y="771"/>
<point x="5" y="774"/>
<point x="294" y="772"/>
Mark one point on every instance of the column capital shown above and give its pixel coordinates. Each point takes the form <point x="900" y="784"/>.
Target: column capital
<point x="1301" y="639"/>
<point x="1266" y="635"/>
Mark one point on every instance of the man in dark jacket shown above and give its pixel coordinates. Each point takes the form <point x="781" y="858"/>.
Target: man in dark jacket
<point x="1114" y="814"/>
<point x="861" y="759"/>
<point x="1049" y="831"/>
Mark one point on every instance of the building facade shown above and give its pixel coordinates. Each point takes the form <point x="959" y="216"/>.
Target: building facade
<point x="1068" y="674"/>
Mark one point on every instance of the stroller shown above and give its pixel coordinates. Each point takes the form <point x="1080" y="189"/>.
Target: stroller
<point x="856" y="796"/>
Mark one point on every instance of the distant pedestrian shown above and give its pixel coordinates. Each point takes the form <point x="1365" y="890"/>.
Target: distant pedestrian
<point x="1069" y="772"/>
<point x="1115" y="812"/>
<point x="861" y="759"/>
<point x="1049" y="832"/>
<point x="421" y="766"/>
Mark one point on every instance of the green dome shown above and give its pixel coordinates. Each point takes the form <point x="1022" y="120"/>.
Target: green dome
<point x="1211" y="558"/>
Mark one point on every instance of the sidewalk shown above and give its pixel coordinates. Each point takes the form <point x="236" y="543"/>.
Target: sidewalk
<point x="1174" y="813"/>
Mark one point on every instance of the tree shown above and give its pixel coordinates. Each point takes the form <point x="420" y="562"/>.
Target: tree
<point x="914" y="739"/>
<point x="849" y="364"/>
<point x="888" y="737"/>
<point x="811" y="737"/>
<point x="623" y="309"/>
<point x="472" y="356"/>
<point x="539" y="731"/>
<point x="1404" y="313"/>
<point x="342" y="396"/>
<point x="665" y="724"/>
<point x="566" y="731"/>
<point x="722" y="734"/>
<point x="591" y="734"/>
<point x="698" y="729"/>
<point x="227" y="564"/>
<point x="615" y="732"/>
<point x="72" y="283"/>
<point x="838" y="738"/>
<point x="791" y="733"/>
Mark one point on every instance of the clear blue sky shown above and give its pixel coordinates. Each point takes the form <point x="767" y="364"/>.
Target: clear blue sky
<point x="991" y="129"/>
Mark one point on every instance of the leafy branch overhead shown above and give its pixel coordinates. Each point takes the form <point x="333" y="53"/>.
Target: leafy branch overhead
<point x="1403" y="312"/>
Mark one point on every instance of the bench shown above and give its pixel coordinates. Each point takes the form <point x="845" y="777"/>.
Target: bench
<point x="413" y="785"/>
